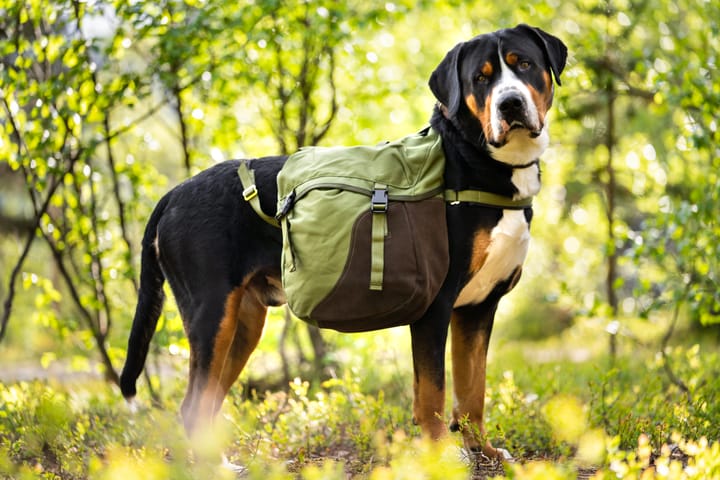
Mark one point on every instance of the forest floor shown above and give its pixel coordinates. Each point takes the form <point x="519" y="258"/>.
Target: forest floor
<point x="49" y="462"/>
<point x="559" y="418"/>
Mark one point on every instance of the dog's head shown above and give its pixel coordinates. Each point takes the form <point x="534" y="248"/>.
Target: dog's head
<point x="498" y="88"/>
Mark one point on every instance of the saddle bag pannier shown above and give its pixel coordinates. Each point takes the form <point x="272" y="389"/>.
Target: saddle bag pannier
<point x="364" y="235"/>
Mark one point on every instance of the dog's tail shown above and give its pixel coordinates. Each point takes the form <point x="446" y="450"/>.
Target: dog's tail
<point x="150" y="302"/>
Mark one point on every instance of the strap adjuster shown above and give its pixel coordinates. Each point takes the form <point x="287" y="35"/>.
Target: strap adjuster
<point x="379" y="201"/>
<point x="250" y="192"/>
<point x="287" y="204"/>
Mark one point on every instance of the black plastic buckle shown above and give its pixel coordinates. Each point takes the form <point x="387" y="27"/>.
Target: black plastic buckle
<point x="286" y="206"/>
<point x="379" y="202"/>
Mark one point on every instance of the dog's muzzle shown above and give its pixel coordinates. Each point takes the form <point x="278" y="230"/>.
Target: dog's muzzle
<point x="511" y="105"/>
<point x="513" y="113"/>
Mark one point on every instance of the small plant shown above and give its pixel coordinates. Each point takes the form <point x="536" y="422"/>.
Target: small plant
<point x="556" y="420"/>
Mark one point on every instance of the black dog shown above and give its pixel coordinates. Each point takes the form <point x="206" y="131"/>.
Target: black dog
<point x="223" y="261"/>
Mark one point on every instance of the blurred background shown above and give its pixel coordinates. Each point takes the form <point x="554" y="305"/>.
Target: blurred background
<point x="104" y="106"/>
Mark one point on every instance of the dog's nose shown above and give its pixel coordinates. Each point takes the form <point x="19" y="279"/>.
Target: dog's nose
<point x="511" y="105"/>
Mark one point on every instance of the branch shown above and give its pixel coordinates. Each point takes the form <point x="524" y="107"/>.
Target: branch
<point x="96" y="268"/>
<point x="128" y="126"/>
<point x="118" y="198"/>
<point x="306" y="81"/>
<point x="333" y="99"/>
<point x="39" y="212"/>
<point x="7" y="305"/>
<point x="284" y="100"/>
<point x="605" y="63"/>
<point x="110" y="373"/>
<point x="184" y="142"/>
<point x="15" y="224"/>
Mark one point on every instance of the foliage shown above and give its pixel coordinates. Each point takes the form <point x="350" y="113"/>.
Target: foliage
<point x="616" y="424"/>
<point x="57" y="104"/>
<point x="679" y="240"/>
<point x="79" y="83"/>
<point x="86" y="91"/>
<point x="104" y="105"/>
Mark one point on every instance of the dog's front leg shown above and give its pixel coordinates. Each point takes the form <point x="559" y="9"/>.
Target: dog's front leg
<point x="429" y="336"/>
<point x="471" y="327"/>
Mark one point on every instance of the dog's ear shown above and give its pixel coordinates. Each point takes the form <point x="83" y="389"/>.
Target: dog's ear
<point x="555" y="50"/>
<point x="445" y="81"/>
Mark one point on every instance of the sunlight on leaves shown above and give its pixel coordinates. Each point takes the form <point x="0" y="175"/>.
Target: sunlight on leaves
<point x="567" y="417"/>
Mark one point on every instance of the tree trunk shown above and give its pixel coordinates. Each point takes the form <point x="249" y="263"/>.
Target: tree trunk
<point x="610" y="191"/>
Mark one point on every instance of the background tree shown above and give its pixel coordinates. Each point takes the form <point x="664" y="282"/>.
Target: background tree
<point x="613" y="116"/>
<point x="54" y="124"/>
<point x="104" y="106"/>
<point x="83" y="70"/>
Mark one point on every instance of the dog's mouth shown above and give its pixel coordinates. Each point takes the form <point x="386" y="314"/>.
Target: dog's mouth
<point x="523" y="125"/>
<point x="508" y="129"/>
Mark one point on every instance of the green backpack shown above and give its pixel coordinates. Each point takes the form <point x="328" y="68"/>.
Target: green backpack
<point x="364" y="234"/>
<point x="365" y="241"/>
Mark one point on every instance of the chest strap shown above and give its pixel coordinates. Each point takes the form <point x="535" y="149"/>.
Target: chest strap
<point x="250" y="192"/>
<point x="487" y="199"/>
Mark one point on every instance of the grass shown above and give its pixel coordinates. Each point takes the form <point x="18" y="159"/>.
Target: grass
<point x="559" y="413"/>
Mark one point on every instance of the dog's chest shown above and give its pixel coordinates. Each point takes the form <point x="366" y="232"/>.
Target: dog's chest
<point x="496" y="256"/>
<point x="527" y="181"/>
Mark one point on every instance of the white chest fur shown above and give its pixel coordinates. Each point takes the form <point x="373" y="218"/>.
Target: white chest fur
<point x="506" y="251"/>
<point x="527" y="181"/>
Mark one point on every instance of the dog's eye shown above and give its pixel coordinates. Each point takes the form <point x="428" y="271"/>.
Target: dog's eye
<point x="480" y="78"/>
<point x="524" y="65"/>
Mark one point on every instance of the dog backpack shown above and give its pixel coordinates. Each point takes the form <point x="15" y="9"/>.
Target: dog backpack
<point x="364" y="235"/>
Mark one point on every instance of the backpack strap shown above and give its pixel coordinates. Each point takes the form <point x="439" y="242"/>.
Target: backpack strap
<point x="487" y="199"/>
<point x="378" y="207"/>
<point x="250" y="192"/>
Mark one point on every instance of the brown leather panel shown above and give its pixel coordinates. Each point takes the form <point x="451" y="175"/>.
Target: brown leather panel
<point x="416" y="262"/>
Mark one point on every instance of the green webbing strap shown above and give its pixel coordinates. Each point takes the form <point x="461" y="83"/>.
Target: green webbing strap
<point x="287" y="241"/>
<point x="250" y="192"/>
<point x="486" y="198"/>
<point x="378" y="207"/>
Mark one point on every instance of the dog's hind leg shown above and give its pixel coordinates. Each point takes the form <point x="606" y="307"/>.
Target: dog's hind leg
<point x="217" y="359"/>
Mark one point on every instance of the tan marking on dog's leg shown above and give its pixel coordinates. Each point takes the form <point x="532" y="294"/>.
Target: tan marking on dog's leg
<point x="237" y="337"/>
<point x="469" y="362"/>
<point x="479" y="250"/>
<point x="429" y="407"/>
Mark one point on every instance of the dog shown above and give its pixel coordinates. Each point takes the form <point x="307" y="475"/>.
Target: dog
<point x="222" y="260"/>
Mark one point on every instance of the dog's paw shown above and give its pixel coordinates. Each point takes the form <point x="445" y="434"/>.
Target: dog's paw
<point x="488" y="455"/>
<point x="504" y="455"/>
<point x="486" y="466"/>
<point x="132" y="405"/>
<point x="240" y="471"/>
